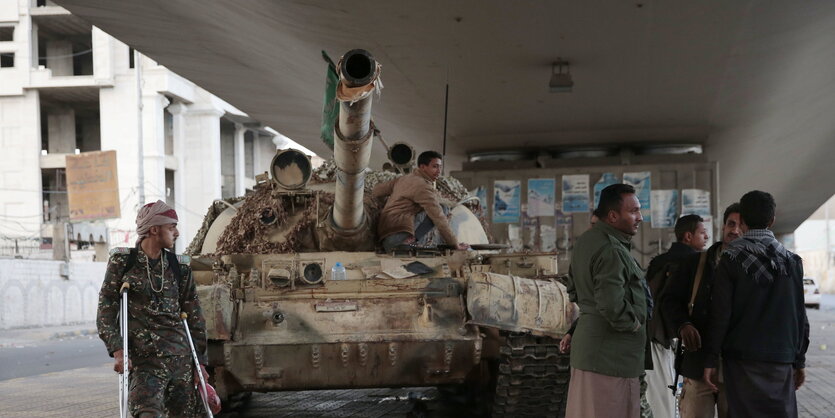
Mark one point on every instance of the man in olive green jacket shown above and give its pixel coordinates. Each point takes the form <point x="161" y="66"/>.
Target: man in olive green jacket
<point x="607" y="354"/>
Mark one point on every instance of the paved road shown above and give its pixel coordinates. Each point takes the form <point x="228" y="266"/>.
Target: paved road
<point x="92" y="391"/>
<point x="52" y="356"/>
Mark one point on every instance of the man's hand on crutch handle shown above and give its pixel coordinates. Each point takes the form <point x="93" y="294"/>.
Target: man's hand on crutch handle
<point x="118" y="366"/>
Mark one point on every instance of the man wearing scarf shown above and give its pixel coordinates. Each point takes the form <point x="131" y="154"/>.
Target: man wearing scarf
<point x="162" y="375"/>
<point x="757" y="319"/>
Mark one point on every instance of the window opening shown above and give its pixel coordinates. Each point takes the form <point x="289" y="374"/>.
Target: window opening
<point x="6" y="33"/>
<point x="7" y="60"/>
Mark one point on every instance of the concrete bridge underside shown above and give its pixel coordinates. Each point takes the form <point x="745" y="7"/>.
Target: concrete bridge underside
<point x="752" y="81"/>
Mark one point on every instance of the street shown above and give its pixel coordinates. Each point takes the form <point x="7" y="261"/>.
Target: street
<point x="72" y="377"/>
<point x="52" y="356"/>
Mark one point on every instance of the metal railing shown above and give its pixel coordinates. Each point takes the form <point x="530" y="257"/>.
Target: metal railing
<point x="21" y="247"/>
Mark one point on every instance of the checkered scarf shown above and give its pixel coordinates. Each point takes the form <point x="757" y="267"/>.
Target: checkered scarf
<point x="760" y="254"/>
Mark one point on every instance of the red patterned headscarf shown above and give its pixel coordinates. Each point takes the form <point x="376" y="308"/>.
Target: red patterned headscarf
<point x="154" y="214"/>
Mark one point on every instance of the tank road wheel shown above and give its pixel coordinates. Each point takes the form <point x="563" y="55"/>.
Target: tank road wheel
<point x="532" y="377"/>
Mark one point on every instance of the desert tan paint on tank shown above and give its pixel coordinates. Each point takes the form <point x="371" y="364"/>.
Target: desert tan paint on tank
<point x="373" y="329"/>
<point x="418" y="316"/>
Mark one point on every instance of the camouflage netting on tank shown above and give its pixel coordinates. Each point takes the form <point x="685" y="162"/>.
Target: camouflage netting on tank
<point x="247" y="234"/>
<point x="325" y="173"/>
<point x="214" y="210"/>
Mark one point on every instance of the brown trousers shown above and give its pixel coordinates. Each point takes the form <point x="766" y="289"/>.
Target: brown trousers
<point x="699" y="401"/>
<point x="593" y="395"/>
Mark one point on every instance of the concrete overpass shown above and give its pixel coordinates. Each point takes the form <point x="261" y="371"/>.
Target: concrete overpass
<point x="751" y="81"/>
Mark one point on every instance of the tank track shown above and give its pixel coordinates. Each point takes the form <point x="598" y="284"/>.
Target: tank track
<point x="532" y="377"/>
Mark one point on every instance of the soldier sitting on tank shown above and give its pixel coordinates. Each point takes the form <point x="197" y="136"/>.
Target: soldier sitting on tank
<point x="162" y="375"/>
<point x="413" y="213"/>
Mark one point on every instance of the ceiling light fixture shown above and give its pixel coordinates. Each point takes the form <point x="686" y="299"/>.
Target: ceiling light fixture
<point x="561" y="82"/>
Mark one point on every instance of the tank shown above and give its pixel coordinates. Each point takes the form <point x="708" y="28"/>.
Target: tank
<point x="484" y="321"/>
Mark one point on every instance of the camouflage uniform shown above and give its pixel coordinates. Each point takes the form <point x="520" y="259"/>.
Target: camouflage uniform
<point x="646" y="412"/>
<point x="162" y="380"/>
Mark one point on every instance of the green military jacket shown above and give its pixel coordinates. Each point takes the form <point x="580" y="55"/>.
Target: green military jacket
<point x="154" y="325"/>
<point x="607" y="284"/>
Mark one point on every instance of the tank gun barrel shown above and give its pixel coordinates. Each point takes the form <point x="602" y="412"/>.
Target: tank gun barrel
<point x="358" y="77"/>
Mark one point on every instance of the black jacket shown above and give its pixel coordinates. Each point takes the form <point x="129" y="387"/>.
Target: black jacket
<point x="677" y="297"/>
<point x="757" y="320"/>
<point x="677" y="253"/>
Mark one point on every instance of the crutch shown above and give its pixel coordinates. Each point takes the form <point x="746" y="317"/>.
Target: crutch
<point x="123" y="383"/>
<point x="204" y="393"/>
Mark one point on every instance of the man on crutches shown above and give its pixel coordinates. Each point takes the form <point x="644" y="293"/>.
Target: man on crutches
<point x="159" y="288"/>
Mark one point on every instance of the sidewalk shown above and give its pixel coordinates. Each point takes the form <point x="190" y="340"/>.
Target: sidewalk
<point x="22" y="337"/>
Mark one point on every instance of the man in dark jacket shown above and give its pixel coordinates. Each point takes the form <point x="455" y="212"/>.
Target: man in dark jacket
<point x="691" y="237"/>
<point x="697" y="399"/>
<point x="757" y="318"/>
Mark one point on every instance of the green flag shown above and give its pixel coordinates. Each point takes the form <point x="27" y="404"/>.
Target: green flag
<point x="330" y="110"/>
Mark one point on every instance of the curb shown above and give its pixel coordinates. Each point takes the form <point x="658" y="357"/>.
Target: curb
<point x="70" y="334"/>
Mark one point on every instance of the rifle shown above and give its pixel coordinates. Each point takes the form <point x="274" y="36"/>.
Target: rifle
<point x="679" y="345"/>
<point x="679" y="353"/>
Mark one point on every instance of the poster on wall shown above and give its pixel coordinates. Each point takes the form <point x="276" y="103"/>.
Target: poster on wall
<point x="541" y="196"/>
<point x="642" y="182"/>
<point x="696" y="202"/>
<point x="93" y="186"/>
<point x="481" y="193"/>
<point x="548" y="235"/>
<point x="664" y="208"/>
<point x="708" y="222"/>
<point x="530" y="232"/>
<point x="506" y="201"/>
<point x="575" y="193"/>
<point x="607" y="179"/>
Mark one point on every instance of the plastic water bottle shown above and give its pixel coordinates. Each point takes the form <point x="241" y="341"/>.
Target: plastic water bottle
<point x="338" y="271"/>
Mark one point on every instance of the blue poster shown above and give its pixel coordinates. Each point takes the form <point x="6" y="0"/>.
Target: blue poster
<point x="607" y="179"/>
<point x="642" y="183"/>
<point x="575" y="193"/>
<point x="481" y="194"/>
<point x="664" y="208"/>
<point x="541" y="196"/>
<point x="507" y="201"/>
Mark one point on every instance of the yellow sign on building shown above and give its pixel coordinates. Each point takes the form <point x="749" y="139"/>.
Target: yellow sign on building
<point x="93" y="186"/>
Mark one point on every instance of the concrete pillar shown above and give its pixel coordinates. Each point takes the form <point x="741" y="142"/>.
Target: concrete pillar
<point x="59" y="57"/>
<point x="33" y="43"/>
<point x="201" y="166"/>
<point x="153" y="130"/>
<point x="20" y="172"/>
<point x="178" y="111"/>
<point x="60" y="242"/>
<point x="263" y="152"/>
<point x="103" y="68"/>
<point x="61" y="126"/>
<point x="240" y="162"/>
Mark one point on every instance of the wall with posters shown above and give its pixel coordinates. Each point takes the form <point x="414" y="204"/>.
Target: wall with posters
<point x="672" y="187"/>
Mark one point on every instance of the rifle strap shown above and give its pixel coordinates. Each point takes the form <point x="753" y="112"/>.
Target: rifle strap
<point x="697" y="281"/>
